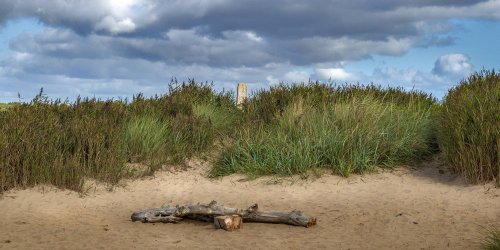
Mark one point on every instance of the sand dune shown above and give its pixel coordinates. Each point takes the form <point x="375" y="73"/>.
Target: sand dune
<point x="398" y="209"/>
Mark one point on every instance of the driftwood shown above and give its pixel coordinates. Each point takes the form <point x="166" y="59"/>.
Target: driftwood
<point x="170" y="214"/>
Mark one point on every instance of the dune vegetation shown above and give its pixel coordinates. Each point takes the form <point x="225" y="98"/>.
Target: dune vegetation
<point x="61" y="143"/>
<point x="469" y="127"/>
<point x="492" y="241"/>
<point x="351" y="129"/>
<point x="5" y="106"/>
<point x="285" y="130"/>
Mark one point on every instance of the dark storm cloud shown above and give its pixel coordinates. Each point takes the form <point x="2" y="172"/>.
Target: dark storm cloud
<point x="365" y="19"/>
<point x="6" y="10"/>
<point x="144" y="42"/>
<point x="245" y="32"/>
<point x="289" y="19"/>
<point x="177" y="46"/>
<point x="225" y="33"/>
<point x="79" y="15"/>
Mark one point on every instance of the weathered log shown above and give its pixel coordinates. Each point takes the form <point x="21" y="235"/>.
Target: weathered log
<point x="152" y="215"/>
<point x="210" y="211"/>
<point x="228" y="222"/>
<point x="294" y="217"/>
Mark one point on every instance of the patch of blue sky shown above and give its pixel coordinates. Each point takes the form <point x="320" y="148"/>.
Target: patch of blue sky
<point x="14" y="28"/>
<point x="478" y="39"/>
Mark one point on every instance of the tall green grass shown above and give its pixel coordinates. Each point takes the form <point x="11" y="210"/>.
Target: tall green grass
<point x="469" y="127"/>
<point x="60" y="143"/>
<point x="286" y="130"/>
<point x="289" y="129"/>
<point x="145" y="137"/>
<point x="5" y="106"/>
<point x="314" y="127"/>
<point x="265" y="105"/>
<point x="56" y="143"/>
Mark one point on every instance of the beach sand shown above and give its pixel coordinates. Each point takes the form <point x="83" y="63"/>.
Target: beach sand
<point x="405" y="208"/>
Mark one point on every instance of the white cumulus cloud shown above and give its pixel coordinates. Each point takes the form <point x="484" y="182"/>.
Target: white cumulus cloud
<point x="335" y="74"/>
<point x="453" y="65"/>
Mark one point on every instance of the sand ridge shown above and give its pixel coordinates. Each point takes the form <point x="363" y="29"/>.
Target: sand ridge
<point x="404" y="208"/>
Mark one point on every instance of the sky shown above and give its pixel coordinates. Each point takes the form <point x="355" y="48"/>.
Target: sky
<point x="118" y="48"/>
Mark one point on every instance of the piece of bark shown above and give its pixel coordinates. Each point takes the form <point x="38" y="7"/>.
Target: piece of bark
<point x="228" y="222"/>
<point x="210" y="211"/>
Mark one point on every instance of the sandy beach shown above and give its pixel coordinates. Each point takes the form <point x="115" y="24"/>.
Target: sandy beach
<point x="422" y="207"/>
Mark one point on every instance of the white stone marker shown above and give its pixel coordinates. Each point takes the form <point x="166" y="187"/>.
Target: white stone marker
<point x="241" y="94"/>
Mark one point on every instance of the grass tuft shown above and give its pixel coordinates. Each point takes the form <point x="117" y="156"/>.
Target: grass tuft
<point x="145" y="137"/>
<point x="51" y="142"/>
<point x="492" y="241"/>
<point x="354" y="134"/>
<point x="469" y="127"/>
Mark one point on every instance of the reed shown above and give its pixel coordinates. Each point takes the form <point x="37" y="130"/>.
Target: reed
<point x="61" y="143"/>
<point x="5" y="106"/>
<point x="469" y="127"/>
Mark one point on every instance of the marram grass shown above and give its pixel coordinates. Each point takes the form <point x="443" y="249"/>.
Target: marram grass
<point x="289" y="129"/>
<point x="492" y="241"/>
<point x="145" y="137"/>
<point x="50" y="142"/>
<point x="469" y="127"/>
<point x="354" y="135"/>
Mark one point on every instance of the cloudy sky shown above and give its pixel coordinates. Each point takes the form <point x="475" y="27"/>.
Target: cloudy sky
<point x="116" y="48"/>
